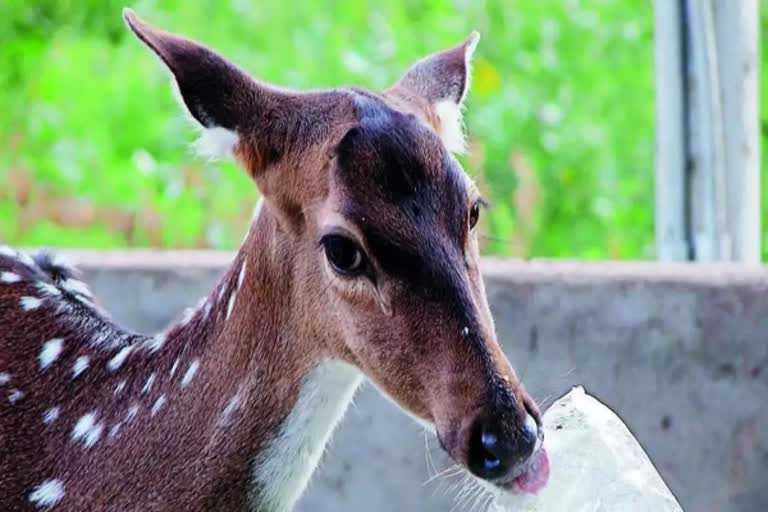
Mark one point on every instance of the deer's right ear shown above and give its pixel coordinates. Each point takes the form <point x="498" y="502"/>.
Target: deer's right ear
<point x="441" y="81"/>
<point x="222" y="98"/>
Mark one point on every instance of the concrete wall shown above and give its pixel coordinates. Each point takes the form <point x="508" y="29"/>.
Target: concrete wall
<point x="680" y="352"/>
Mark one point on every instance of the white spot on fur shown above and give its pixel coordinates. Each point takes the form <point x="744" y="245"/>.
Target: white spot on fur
<point x="234" y="405"/>
<point x="158" y="405"/>
<point x="27" y="260"/>
<point x="190" y="373"/>
<point x="120" y="387"/>
<point x="231" y="304"/>
<point x="223" y="290"/>
<point x="15" y="395"/>
<point x="148" y="385"/>
<point x="76" y="287"/>
<point x="174" y="367"/>
<point x="117" y="361"/>
<point x="5" y="378"/>
<point x="83" y="426"/>
<point x="241" y="277"/>
<point x="156" y="342"/>
<point x="133" y="410"/>
<point x="7" y="251"/>
<point x="115" y="429"/>
<point x="48" y="289"/>
<point x="9" y="277"/>
<point x="30" y="303"/>
<point x="81" y="364"/>
<point x="216" y="143"/>
<point x="51" y="351"/>
<point x="93" y="435"/>
<point x="48" y="493"/>
<point x="50" y="415"/>
<point x="282" y="471"/>
<point x="233" y="297"/>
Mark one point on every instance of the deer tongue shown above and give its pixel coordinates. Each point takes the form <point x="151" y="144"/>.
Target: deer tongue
<point x="536" y="476"/>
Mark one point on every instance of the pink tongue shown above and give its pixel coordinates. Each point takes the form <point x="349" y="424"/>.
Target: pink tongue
<point x="533" y="480"/>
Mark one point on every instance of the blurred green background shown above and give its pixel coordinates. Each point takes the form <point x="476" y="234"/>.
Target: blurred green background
<point x="94" y="151"/>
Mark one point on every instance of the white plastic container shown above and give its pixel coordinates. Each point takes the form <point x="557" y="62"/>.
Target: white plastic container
<point x="596" y="465"/>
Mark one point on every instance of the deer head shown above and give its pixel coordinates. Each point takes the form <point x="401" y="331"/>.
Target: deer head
<point x="372" y="222"/>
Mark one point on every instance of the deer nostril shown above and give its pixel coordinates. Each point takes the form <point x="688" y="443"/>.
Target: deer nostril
<point x="490" y="443"/>
<point x="495" y="453"/>
<point x="489" y="440"/>
<point x="487" y="452"/>
<point x="491" y="464"/>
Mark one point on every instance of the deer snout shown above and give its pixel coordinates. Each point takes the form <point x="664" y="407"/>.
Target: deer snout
<point x="499" y="451"/>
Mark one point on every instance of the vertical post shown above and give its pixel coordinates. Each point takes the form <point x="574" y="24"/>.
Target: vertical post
<point x="708" y="146"/>
<point x="738" y="57"/>
<point x="707" y="181"/>
<point x="671" y="201"/>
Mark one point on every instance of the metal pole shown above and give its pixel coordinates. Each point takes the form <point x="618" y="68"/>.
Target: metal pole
<point x="738" y="55"/>
<point x="671" y="231"/>
<point x="707" y="130"/>
<point x="708" y="184"/>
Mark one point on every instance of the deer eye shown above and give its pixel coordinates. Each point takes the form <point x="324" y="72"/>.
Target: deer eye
<point x="474" y="215"/>
<point x="344" y="255"/>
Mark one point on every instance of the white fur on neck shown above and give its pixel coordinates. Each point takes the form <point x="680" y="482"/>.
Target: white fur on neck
<point x="216" y="143"/>
<point x="281" y="473"/>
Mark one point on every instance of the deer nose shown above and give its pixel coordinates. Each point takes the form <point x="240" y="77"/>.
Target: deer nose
<point x="497" y="452"/>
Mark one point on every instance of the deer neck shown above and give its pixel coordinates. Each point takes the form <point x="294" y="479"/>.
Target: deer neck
<point x="268" y="394"/>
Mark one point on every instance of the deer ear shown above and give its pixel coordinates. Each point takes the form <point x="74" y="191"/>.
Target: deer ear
<point x="222" y="98"/>
<point x="442" y="81"/>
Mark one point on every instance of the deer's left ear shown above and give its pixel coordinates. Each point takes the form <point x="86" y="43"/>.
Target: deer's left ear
<point x="438" y="85"/>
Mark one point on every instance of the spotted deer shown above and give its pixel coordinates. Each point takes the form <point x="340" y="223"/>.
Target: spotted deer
<point x="361" y="262"/>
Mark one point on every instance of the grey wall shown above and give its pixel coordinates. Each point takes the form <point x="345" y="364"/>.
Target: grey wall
<point x="680" y="352"/>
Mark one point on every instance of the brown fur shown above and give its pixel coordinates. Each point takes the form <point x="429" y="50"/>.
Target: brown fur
<point x="368" y="164"/>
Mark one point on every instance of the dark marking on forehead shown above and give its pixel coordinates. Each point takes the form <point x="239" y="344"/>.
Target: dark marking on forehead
<point x="390" y="151"/>
<point x="405" y="193"/>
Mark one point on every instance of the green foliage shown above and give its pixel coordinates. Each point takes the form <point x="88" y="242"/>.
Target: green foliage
<point x="95" y="151"/>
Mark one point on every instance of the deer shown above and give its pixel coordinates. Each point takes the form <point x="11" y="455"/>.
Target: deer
<point x="361" y="263"/>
